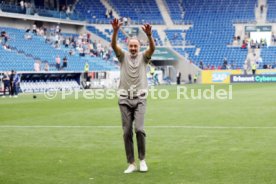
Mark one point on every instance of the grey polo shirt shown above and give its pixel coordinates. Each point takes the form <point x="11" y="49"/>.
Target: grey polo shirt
<point x="133" y="76"/>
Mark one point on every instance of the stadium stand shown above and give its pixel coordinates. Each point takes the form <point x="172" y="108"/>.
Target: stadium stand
<point x="11" y="8"/>
<point x="190" y="51"/>
<point x="40" y="9"/>
<point x="139" y="11"/>
<point x="121" y="36"/>
<point x="175" y="37"/>
<point x="93" y="11"/>
<point x="176" y="10"/>
<point x="11" y="59"/>
<point x="98" y="32"/>
<point x="213" y="28"/>
<point x="37" y="49"/>
<point x="268" y="55"/>
<point x="271" y="13"/>
<point x="157" y="38"/>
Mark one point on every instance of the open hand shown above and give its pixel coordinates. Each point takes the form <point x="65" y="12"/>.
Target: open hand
<point x="116" y="24"/>
<point x="147" y="29"/>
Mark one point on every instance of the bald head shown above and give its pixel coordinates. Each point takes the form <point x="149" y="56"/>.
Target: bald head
<point x="133" y="46"/>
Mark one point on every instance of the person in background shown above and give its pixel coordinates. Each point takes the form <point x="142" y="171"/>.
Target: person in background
<point x="190" y="78"/>
<point x="64" y="63"/>
<point x="22" y="5"/>
<point x="16" y="84"/>
<point x="254" y="68"/>
<point x="178" y="78"/>
<point x="46" y="67"/>
<point x="86" y="70"/>
<point x="58" y="63"/>
<point x="12" y="82"/>
<point x="37" y="66"/>
<point x="195" y="78"/>
<point x="201" y="66"/>
<point x="6" y="81"/>
<point x="34" y="29"/>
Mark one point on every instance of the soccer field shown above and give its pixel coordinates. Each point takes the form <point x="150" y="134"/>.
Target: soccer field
<point x="79" y="141"/>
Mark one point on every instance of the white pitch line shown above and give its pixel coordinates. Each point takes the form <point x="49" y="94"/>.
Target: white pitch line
<point x="161" y="126"/>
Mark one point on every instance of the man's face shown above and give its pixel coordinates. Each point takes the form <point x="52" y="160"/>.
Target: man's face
<point x="133" y="47"/>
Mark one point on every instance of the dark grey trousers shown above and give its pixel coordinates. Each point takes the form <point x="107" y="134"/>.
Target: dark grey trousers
<point x="133" y="110"/>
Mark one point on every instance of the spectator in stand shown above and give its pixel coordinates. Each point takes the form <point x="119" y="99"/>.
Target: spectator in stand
<point x="58" y="30"/>
<point x="64" y="63"/>
<point x="110" y="13"/>
<point x="257" y="45"/>
<point x="22" y="5"/>
<point x="175" y="36"/>
<point x="7" y="47"/>
<point x="46" y="67"/>
<point x="62" y="8"/>
<point x="244" y="45"/>
<point x="125" y="21"/>
<point x="57" y="41"/>
<point x="5" y="37"/>
<point x="128" y="21"/>
<point x="253" y="45"/>
<point x="262" y="9"/>
<point x="201" y="66"/>
<point x="239" y="39"/>
<point x="26" y="7"/>
<point x="263" y="42"/>
<point x="71" y="52"/>
<point x="68" y="11"/>
<point x="273" y="38"/>
<point x="99" y="48"/>
<point x="88" y="35"/>
<point x="107" y="14"/>
<point x="58" y="62"/>
<point x="37" y="66"/>
<point x="81" y="51"/>
<point x="34" y="29"/>
<point x="259" y="60"/>
<point x="67" y="42"/>
<point x="225" y="63"/>
<point x="27" y="36"/>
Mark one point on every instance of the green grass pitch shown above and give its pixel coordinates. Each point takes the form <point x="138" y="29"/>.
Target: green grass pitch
<point x="188" y="141"/>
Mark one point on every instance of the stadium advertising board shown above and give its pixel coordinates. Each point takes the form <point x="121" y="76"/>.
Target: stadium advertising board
<point x="218" y="76"/>
<point x="252" y="78"/>
<point x="223" y="76"/>
<point x="162" y="54"/>
<point x="258" y="29"/>
<point x="266" y="72"/>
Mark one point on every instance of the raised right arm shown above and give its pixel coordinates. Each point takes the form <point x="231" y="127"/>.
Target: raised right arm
<point x="116" y="26"/>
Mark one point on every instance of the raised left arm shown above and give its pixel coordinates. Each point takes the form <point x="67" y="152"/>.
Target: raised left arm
<point x="147" y="29"/>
